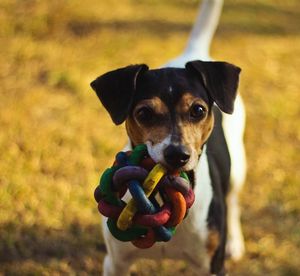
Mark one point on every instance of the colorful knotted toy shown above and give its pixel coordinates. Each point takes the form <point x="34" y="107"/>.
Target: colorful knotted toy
<point x="142" y="220"/>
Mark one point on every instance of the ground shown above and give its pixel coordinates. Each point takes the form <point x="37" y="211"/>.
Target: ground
<point x="56" y="139"/>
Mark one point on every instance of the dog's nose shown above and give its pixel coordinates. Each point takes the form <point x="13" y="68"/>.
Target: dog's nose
<point x="176" y="156"/>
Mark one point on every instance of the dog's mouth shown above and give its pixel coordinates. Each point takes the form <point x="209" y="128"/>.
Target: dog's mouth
<point x="176" y="167"/>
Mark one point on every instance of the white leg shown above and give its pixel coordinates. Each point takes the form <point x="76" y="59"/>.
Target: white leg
<point x="235" y="243"/>
<point x="111" y="268"/>
<point x="116" y="261"/>
<point x="234" y="131"/>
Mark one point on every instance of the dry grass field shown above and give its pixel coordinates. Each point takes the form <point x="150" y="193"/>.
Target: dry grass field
<point x="55" y="138"/>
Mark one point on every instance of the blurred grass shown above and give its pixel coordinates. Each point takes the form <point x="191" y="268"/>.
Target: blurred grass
<point x="55" y="139"/>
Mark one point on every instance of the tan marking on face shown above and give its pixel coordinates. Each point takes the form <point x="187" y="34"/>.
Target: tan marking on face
<point x="212" y="243"/>
<point x="186" y="102"/>
<point x="139" y="133"/>
<point x="194" y="133"/>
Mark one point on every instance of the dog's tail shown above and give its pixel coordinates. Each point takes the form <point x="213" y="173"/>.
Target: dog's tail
<point x="198" y="45"/>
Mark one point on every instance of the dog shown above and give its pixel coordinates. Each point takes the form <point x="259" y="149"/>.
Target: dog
<point x="179" y="112"/>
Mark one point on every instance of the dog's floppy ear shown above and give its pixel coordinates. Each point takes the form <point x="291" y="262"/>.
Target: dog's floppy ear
<point x="116" y="90"/>
<point x="220" y="80"/>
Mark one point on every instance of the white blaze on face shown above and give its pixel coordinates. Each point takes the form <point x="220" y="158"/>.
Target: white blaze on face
<point x="156" y="151"/>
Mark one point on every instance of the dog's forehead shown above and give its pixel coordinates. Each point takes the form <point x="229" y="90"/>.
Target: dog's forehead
<point x="169" y="84"/>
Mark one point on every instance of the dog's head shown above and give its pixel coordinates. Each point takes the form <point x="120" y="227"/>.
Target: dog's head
<point x="169" y="109"/>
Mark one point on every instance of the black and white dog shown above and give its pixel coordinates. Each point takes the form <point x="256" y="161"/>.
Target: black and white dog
<point x="176" y="112"/>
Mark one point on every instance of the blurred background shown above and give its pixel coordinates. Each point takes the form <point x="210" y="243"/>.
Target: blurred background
<point x="56" y="139"/>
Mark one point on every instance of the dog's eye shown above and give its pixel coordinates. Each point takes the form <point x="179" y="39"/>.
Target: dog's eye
<point x="197" y="112"/>
<point x="144" y="114"/>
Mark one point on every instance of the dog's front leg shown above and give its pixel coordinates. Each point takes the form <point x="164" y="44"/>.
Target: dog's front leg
<point x="117" y="260"/>
<point x="112" y="267"/>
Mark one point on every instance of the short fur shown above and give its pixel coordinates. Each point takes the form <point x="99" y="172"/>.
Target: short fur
<point x="158" y="107"/>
